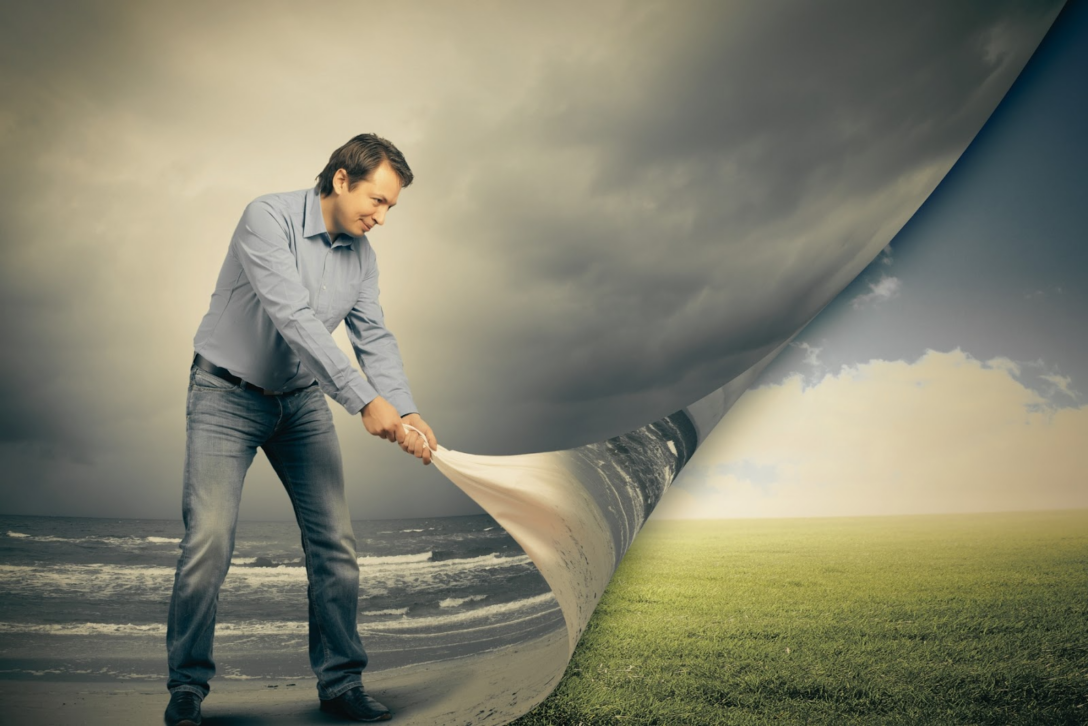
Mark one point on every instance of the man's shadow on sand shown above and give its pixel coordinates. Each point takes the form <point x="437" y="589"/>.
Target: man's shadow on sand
<point x="404" y="701"/>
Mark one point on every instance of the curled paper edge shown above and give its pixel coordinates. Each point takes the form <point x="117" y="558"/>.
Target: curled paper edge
<point x="541" y="502"/>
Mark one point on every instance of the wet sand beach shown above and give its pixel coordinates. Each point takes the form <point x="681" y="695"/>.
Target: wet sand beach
<point x="490" y="688"/>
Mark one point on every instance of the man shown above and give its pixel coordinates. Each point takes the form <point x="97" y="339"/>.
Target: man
<point x="298" y="265"/>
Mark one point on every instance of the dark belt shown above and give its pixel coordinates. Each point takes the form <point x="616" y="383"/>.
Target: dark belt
<point x="208" y="367"/>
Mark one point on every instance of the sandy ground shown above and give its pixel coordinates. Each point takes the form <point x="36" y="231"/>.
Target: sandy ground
<point x="490" y="688"/>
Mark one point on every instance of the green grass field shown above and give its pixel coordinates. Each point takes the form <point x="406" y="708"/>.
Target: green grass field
<point x="950" y="619"/>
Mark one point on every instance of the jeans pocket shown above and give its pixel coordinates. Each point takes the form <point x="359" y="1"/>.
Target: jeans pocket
<point x="202" y="379"/>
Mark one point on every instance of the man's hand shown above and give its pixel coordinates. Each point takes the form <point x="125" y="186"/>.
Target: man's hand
<point x="382" y="420"/>
<point x="413" y="443"/>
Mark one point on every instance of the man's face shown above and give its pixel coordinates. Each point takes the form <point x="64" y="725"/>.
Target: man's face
<point x="365" y="206"/>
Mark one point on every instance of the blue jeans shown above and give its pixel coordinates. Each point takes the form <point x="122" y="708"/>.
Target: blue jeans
<point x="225" y="423"/>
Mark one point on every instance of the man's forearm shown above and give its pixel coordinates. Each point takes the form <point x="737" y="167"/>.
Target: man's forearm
<point x="375" y="345"/>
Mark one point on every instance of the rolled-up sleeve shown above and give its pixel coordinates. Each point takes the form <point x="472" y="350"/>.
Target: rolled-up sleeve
<point x="375" y="345"/>
<point x="261" y="247"/>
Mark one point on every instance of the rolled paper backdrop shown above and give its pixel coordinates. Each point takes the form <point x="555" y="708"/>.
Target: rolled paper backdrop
<point x="576" y="512"/>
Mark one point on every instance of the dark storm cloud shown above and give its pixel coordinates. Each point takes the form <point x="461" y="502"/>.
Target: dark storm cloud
<point x="611" y="216"/>
<point x="696" y="185"/>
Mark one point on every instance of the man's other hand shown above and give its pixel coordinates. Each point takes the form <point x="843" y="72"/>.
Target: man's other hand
<point x="382" y="420"/>
<point x="413" y="443"/>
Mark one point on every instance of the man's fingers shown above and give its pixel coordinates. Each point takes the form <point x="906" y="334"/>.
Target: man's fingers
<point x="426" y="433"/>
<point x="418" y="449"/>
<point x="419" y="440"/>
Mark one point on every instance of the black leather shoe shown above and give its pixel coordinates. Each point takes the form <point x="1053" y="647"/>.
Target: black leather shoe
<point x="183" y="709"/>
<point x="357" y="706"/>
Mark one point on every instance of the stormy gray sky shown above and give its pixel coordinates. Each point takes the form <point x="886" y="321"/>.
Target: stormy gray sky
<point x="617" y="208"/>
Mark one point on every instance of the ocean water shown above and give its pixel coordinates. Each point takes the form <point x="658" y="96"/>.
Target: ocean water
<point x="628" y="474"/>
<point x="87" y="598"/>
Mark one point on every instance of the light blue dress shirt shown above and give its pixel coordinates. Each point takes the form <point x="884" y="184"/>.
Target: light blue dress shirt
<point x="282" y="290"/>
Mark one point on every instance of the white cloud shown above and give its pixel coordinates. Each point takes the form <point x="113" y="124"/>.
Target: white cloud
<point x="812" y="353"/>
<point x="886" y="254"/>
<point x="945" y="433"/>
<point x="1061" y="383"/>
<point x="883" y="289"/>
<point x="1007" y="364"/>
<point x="1037" y="374"/>
<point x="1056" y="290"/>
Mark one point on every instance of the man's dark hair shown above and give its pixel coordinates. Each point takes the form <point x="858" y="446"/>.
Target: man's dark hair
<point x="359" y="158"/>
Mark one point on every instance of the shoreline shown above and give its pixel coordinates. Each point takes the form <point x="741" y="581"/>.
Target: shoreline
<point x="492" y="687"/>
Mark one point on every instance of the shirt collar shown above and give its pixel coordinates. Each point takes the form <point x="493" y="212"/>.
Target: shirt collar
<point x="313" y="222"/>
